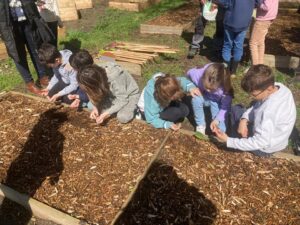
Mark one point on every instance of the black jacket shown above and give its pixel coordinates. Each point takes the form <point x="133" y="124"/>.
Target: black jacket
<point x="6" y="28"/>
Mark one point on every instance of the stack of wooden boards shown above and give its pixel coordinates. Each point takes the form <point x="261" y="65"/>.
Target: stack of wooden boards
<point x="132" y="5"/>
<point x="136" y="53"/>
<point x="68" y="8"/>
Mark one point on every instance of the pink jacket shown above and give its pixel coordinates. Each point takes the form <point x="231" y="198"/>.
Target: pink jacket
<point x="267" y="10"/>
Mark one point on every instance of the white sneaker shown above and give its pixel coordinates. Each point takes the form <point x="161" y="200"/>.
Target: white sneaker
<point x="201" y="129"/>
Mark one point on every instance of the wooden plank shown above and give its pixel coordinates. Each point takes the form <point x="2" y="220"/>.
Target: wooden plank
<point x="155" y="29"/>
<point x="38" y="209"/>
<point x="158" y="29"/>
<point x="276" y="61"/>
<point x="3" y="52"/>
<point x="132" y="5"/>
<point x="83" y="4"/>
<point x="67" y="10"/>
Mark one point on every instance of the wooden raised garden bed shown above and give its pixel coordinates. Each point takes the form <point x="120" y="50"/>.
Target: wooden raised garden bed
<point x="194" y="182"/>
<point x="132" y="5"/>
<point x="61" y="158"/>
<point x="172" y="22"/>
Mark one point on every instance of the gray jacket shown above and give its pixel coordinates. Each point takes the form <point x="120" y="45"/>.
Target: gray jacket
<point x="122" y="86"/>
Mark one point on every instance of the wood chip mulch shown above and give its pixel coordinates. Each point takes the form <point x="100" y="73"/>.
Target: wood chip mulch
<point x="61" y="158"/>
<point x="180" y="16"/>
<point x="194" y="183"/>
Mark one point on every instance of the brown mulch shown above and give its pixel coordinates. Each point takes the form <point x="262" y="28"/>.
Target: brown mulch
<point x="194" y="183"/>
<point x="180" y="16"/>
<point x="284" y="35"/>
<point x="61" y="158"/>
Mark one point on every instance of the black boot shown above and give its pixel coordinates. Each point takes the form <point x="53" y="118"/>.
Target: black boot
<point x="233" y="68"/>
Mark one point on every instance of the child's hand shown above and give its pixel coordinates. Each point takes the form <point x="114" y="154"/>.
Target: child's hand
<point x="243" y="128"/>
<point x="100" y="119"/>
<point x="214" y="125"/>
<point x="175" y="126"/>
<point x="45" y="92"/>
<point x="195" y="92"/>
<point x="222" y="137"/>
<point x="53" y="98"/>
<point x="94" y="114"/>
<point x="75" y="103"/>
<point x="73" y="97"/>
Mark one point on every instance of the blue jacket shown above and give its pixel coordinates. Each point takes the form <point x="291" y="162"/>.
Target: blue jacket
<point x="238" y="13"/>
<point x="152" y="107"/>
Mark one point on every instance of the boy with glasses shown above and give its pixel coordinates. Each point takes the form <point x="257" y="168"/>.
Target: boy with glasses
<point x="265" y="127"/>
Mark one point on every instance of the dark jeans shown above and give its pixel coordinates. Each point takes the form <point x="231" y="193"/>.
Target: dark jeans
<point x="60" y="85"/>
<point x="23" y="37"/>
<point x="234" y="119"/>
<point x="53" y="28"/>
<point x="175" y="112"/>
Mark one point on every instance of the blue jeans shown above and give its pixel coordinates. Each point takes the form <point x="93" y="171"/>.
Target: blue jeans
<point x="233" y="41"/>
<point x="23" y="36"/>
<point x="198" y="103"/>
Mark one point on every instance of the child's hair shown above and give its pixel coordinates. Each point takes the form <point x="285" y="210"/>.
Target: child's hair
<point x="81" y="59"/>
<point x="93" y="80"/>
<point x="258" y="77"/>
<point x="48" y="53"/>
<point x="167" y="89"/>
<point x="215" y="76"/>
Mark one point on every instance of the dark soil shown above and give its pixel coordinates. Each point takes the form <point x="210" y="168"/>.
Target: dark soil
<point x="59" y="157"/>
<point x="284" y="35"/>
<point x="182" y="15"/>
<point x="194" y="182"/>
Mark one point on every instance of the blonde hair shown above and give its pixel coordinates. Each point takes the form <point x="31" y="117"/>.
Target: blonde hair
<point x="215" y="76"/>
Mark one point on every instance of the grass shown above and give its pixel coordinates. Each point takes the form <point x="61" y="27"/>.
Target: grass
<point x="122" y="25"/>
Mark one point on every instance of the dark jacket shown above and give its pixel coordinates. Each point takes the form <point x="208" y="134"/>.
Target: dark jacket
<point x="238" y="13"/>
<point x="6" y="27"/>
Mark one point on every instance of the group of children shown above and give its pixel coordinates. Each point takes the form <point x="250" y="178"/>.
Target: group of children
<point x="232" y="22"/>
<point x="108" y="90"/>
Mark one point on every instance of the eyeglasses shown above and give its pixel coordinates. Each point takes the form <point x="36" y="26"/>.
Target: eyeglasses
<point x="255" y="95"/>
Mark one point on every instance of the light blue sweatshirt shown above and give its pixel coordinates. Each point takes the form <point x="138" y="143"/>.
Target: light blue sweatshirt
<point x="68" y="76"/>
<point x="152" y="108"/>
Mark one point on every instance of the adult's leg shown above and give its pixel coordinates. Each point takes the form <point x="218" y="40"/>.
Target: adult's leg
<point x="53" y="28"/>
<point x="127" y="113"/>
<point x="175" y="112"/>
<point x="22" y="64"/>
<point x="32" y="49"/>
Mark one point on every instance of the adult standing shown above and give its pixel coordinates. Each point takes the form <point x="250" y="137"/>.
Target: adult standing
<point x="20" y="26"/>
<point x="49" y="12"/>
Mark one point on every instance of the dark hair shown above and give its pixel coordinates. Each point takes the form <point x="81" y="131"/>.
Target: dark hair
<point x="167" y="88"/>
<point x="93" y="80"/>
<point x="48" y="53"/>
<point x="258" y="77"/>
<point x="81" y="59"/>
<point x="217" y="75"/>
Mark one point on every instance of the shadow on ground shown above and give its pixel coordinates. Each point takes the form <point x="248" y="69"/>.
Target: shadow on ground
<point x="39" y="159"/>
<point x="165" y="198"/>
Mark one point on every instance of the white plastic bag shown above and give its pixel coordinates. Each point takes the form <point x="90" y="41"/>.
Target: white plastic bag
<point x="209" y="14"/>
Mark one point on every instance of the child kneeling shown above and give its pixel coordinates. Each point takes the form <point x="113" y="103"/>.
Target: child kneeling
<point x="214" y="83"/>
<point x="64" y="80"/>
<point x="160" y="101"/>
<point x="111" y="90"/>
<point x="265" y="127"/>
